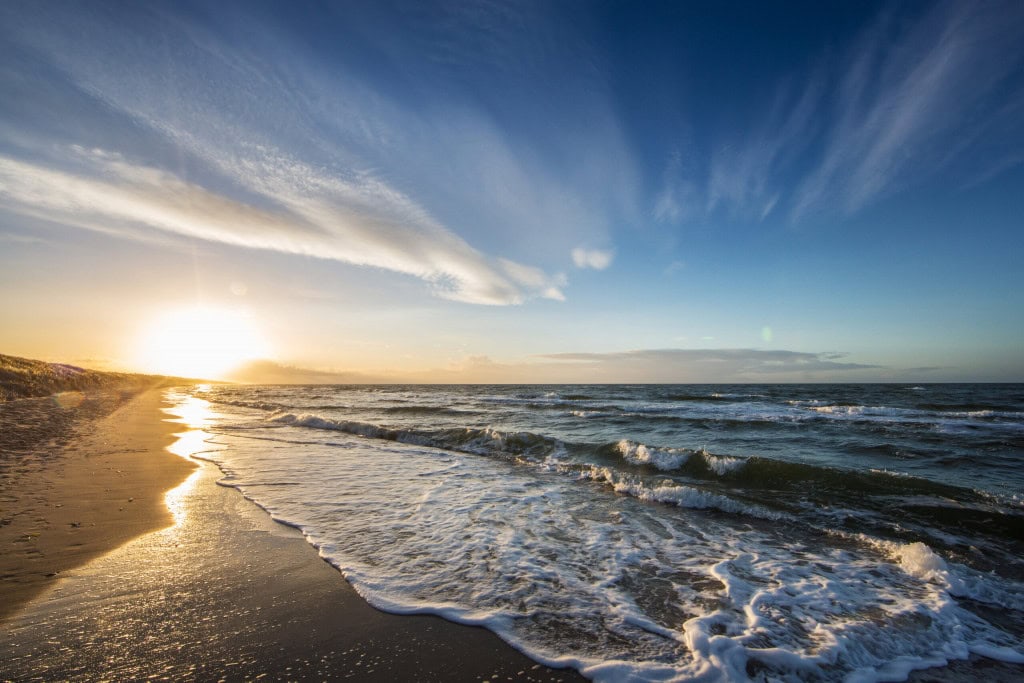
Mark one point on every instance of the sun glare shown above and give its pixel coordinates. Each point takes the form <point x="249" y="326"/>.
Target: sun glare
<point x="200" y="342"/>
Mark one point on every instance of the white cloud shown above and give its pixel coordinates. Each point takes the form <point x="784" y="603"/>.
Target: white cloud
<point x="316" y="160"/>
<point x="597" y="259"/>
<point x="553" y="293"/>
<point x="536" y="279"/>
<point x="360" y="221"/>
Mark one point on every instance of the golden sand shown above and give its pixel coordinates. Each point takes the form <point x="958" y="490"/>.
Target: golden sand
<point x="87" y="497"/>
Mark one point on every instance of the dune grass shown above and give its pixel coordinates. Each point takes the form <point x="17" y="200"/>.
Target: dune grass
<point x="26" y="378"/>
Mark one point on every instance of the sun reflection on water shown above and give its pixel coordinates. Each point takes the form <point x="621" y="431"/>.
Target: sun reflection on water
<point x="175" y="498"/>
<point x="190" y="443"/>
<point x="195" y="413"/>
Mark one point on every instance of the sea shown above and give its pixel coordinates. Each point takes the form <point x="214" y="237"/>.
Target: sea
<point x="783" y="532"/>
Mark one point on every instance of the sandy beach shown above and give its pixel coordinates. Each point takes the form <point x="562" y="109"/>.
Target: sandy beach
<point x="85" y="483"/>
<point x="106" y="582"/>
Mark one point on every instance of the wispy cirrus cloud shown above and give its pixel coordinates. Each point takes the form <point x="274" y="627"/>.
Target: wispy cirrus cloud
<point x="358" y="222"/>
<point x="679" y="199"/>
<point x="913" y="99"/>
<point x="744" y="176"/>
<point x="313" y="159"/>
<point x="16" y="238"/>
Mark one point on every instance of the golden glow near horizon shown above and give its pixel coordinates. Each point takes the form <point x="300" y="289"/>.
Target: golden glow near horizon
<point x="199" y="342"/>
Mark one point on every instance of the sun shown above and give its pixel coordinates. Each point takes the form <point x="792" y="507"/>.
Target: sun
<point x="200" y="342"/>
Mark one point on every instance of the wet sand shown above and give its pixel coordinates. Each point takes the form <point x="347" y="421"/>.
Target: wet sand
<point x="78" y="481"/>
<point x="223" y="593"/>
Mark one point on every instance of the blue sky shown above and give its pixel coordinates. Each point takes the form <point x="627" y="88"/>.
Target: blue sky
<point x="552" y="191"/>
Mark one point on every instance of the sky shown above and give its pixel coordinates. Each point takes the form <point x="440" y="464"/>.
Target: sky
<point x="516" y="192"/>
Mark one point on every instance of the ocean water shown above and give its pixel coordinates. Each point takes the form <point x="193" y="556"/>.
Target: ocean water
<point x="688" y="532"/>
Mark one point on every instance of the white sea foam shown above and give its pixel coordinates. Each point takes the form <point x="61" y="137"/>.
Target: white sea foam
<point x="917" y="559"/>
<point x="667" y="459"/>
<point x="941" y="420"/>
<point x="681" y="496"/>
<point x="586" y="413"/>
<point x="666" y="581"/>
<point x="723" y="464"/>
<point x="865" y="411"/>
<point x="661" y="458"/>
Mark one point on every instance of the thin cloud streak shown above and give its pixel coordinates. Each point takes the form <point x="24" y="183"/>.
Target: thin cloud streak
<point x="356" y="165"/>
<point x="651" y="366"/>
<point x="743" y="177"/>
<point x="905" y="105"/>
<point x="903" y="96"/>
<point x="714" y="365"/>
<point x="324" y="220"/>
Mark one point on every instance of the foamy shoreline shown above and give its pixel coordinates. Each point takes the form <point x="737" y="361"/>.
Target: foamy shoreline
<point x="223" y="590"/>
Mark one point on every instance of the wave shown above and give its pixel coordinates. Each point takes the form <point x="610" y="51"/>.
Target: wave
<point x="673" y="494"/>
<point x="531" y="446"/>
<point x="920" y="561"/>
<point x="996" y="408"/>
<point x="426" y="410"/>
<point x="790" y="484"/>
<point x="743" y="534"/>
<point x="668" y="459"/>
<point x="256" y="405"/>
<point x="551" y="453"/>
<point x="911" y="414"/>
<point x="480" y="441"/>
<point x="752" y="471"/>
<point x="713" y="397"/>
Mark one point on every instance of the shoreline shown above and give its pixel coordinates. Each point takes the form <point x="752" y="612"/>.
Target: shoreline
<point x="69" y="500"/>
<point x="204" y="584"/>
<point x="221" y="590"/>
